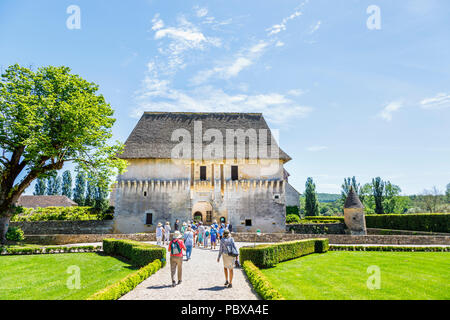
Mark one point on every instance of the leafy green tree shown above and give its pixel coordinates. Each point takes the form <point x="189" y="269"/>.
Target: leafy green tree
<point x="101" y="202"/>
<point x="447" y="194"/>
<point x="40" y="187"/>
<point x="390" y="197"/>
<point x="49" y="117"/>
<point x="348" y="183"/>
<point x="54" y="184"/>
<point x="67" y="184"/>
<point x="378" y="193"/>
<point x="80" y="188"/>
<point x="90" y="192"/>
<point x="311" y="203"/>
<point x="366" y="197"/>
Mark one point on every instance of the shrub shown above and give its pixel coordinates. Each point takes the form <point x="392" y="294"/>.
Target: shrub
<point x="388" y="248"/>
<point x="328" y="219"/>
<point x="140" y="254"/>
<point x="268" y="255"/>
<point x="292" y="218"/>
<point x="431" y="222"/>
<point x="260" y="283"/>
<point x="118" y="289"/>
<point x="48" y="250"/>
<point x="295" y="210"/>
<point x="56" y="213"/>
<point x="15" y="234"/>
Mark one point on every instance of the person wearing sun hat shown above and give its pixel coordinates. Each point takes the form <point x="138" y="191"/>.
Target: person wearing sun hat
<point x="159" y="234"/>
<point x="176" y="247"/>
<point x="229" y="253"/>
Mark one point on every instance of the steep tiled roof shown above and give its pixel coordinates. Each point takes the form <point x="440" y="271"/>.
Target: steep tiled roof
<point x="353" y="200"/>
<point x="45" y="201"/>
<point x="152" y="136"/>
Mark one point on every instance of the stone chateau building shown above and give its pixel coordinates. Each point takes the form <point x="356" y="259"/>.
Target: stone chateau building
<point x="202" y="166"/>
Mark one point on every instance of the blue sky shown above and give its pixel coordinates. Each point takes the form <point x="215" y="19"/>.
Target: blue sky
<point x="347" y="100"/>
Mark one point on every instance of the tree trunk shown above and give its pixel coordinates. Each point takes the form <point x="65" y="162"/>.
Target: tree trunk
<point x="4" y="225"/>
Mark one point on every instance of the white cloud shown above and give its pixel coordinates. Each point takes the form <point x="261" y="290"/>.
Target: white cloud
<point x="390" y="108"/>
<point x="315" y="27"/>
<point x="440" y="101"/>
<point x="180" y="39"/>
<point x="201" y="12"/>
<point x="157" y="23"/>
<point x="158" y="95"/>
<point x="231" y="68"/>
<point x="277" y="28"/>
<point x="296" y="92"/>
<point x="279" y="44"/>
<point x="316" y="148"/>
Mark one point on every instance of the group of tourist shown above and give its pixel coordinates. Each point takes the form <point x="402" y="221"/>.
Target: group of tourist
<point x="193" y="234"/>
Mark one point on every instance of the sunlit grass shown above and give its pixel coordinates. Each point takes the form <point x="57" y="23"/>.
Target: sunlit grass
<point x="343" y="275"/>
<point x="44" y="277"/>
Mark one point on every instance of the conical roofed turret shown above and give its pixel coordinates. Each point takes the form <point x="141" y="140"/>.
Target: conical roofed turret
<point x="352" y="200"/>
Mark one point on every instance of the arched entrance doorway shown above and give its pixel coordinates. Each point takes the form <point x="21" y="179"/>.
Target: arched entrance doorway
<point x="198" y="216"/>
<point x="202" y="211"/>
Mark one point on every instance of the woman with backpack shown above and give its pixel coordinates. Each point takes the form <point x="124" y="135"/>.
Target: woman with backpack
<point x="189" y="242"/>
<point x="229" y="252"/>
<point x="176" y="247"/>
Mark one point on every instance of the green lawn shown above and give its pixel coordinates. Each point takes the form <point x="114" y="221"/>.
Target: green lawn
<point x="343" y="275"/>
<point x="44" y="277"/>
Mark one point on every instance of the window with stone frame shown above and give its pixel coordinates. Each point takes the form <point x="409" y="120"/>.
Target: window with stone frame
<point x="208" y="216"/>
<point x="203" y="173"/>
<point x="149" y="218"/>
<point x="234" y="173"/>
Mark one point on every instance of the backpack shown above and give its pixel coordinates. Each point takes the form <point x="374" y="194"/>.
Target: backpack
<point x="231" y="248"/>
<point x="175" y="247"/>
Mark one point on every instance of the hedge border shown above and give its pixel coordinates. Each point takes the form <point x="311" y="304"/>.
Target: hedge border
<point x="125" y="285"/>
<point x="49" y="250"/>
<point x="269" y="255"/>
<point x="389" y="248"/>
<point x="140" y="254"/>
<point x="260" y="283"/>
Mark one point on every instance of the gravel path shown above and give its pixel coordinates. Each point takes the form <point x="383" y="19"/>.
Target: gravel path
<point x="203" y="279"/>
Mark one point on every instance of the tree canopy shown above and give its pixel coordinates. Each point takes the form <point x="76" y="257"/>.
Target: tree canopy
<point x="49" y="117"/>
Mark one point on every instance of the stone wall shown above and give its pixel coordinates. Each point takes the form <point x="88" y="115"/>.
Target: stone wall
<point x="251" y="237"/>
<point x="346" y="239"/>
<point x="315" y="228"/>
<point x="166" y="190"/>
<point x="65" y="227"/>
<point x="403" y="232"/>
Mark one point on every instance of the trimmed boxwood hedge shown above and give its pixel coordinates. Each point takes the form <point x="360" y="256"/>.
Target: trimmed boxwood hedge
<point x="118" y="289"/>
<point x="431" y="222"/>
<point x="389" y="248"/>
<point x="260" y="283"/>
<point x="268" y="255"/>
<point x="326" y="219"/>
<point x="48" y="250"/>
<point x="140" y="254"/>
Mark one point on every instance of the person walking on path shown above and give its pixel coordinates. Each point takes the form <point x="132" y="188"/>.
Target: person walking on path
<point x="159" y="234"/>
<point x="176" y="247"/>
<point x="167" y="230"/>
<point x="205" y="237"/>
<point x="183" y="228"/>
<point x="201" y="233"/>
<point x="188" y="242"/>
<point x="229" y="252"/>
<point x="177" y="225"/>
<point x="213" y="237"/>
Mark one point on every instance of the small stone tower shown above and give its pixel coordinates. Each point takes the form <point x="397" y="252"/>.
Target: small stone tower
<point x="354" y="214"/>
